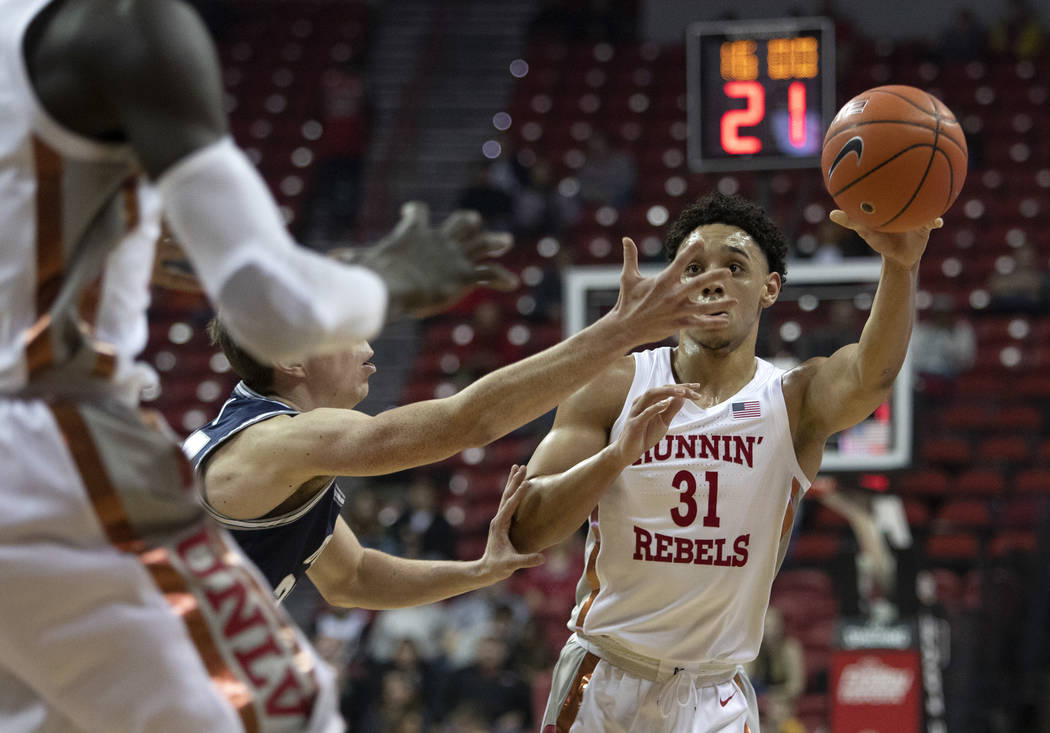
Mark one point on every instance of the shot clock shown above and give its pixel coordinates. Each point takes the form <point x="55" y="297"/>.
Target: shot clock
<point x="761" y="93"/>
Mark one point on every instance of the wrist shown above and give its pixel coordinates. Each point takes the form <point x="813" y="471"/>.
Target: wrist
<point x="613" y="332"/>
<point x="901" y="268"/>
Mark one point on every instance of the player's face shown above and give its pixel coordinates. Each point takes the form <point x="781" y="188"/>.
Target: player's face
<point x="749" y="282"/>
<point x="341" y="379"/>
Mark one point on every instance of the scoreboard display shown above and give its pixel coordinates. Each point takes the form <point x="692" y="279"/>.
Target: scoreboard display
<point x="761" y="93"/>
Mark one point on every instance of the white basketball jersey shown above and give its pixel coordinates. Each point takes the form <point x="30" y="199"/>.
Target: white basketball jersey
<point x="77" y="231"/>
<point x="683" y="547"/>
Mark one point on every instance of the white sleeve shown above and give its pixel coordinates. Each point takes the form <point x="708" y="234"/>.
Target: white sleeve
<point x="278" y="300"/>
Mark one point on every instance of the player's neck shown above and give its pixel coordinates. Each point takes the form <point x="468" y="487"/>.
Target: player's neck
<point x="720" y="373"/>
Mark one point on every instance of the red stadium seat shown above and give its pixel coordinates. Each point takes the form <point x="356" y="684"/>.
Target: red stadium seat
<point x="814" y="548"/>
<point x="1014" y="542"/>
<point x="949" y="450"/>
<point x="927" y="481"/>
<point x="963" y="514"/>
<point x="980" y="481"/>
<point x="1033" y="481"/>
<point x="950" y="548"/>
<point x="1004" y="449"/>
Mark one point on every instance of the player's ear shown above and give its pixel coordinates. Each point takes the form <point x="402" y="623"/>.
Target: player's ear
<point x="772" y="289"/>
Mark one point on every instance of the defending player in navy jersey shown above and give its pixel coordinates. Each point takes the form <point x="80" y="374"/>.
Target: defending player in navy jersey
<point x="691" y="499"/>
<point x="268" y="460"/>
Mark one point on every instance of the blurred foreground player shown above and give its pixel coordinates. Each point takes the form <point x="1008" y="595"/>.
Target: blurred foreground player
<point x="267" y="461"/>
<point x="124" y="609"/>
<point x="691" y="503"/>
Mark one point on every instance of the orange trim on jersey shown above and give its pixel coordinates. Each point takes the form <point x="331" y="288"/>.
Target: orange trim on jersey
<point x="592" y="571"/>
<point x="115" y="523"/>
<point x="40" y="351"/>
<point x="130" y="189"/>
<point x="789" y="514"/>
<point x="571" y="707"/>
<point x="49" y="255"/>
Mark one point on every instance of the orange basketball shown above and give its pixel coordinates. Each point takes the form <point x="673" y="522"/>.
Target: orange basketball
<point x="894" y="158"/>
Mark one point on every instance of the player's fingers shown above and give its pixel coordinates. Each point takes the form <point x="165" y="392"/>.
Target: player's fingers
<point x="841" y="218"/>
<point x="511" y="502"/>
<point x="630" y="260"/>
<point x="936" y="223"/>
<point x="514" y="479"/>
<point x="656" y="394"/>
<point x="462" y="225"/>
<point x="531" y="560"/>
<point x="710" y="279"/>
<point x="415" y="212"/>
<point x="689" y="251"/>
<point x="497" y="277"/>
<point x="488" y="244"/>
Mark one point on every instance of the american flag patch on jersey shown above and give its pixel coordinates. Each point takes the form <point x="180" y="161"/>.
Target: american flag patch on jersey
<point x="750" y="408"/>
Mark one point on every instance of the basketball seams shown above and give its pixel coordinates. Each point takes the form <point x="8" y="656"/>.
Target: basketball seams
<point x="925" y="174"/>
<point x="916" y="105"/>
<point x="951" y="177"/>
<point x="884" y="163"/>
<point x="832" y="132"/>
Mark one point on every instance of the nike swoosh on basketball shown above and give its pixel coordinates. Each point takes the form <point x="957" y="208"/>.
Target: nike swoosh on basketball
<point x="853" y="145"/>
<point x="725" y="702"/>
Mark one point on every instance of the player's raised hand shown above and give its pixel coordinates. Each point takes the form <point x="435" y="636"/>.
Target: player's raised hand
<point x="657" y="307"/>
<point x="427" y="269"/>
<point x="900" y="248"/>
<point x="500" y="558"/>
<point x="649" y="418"/>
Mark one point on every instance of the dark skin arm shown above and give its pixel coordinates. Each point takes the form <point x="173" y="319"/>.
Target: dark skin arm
<point x="146" y="72"/>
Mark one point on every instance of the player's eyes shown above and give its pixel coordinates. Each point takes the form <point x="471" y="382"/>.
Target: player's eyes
<point x="734" y="267"/>
<point x="692" y="269"/>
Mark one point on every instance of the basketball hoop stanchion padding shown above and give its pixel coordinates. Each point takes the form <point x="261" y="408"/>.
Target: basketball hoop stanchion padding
<point x="875" y="680"/>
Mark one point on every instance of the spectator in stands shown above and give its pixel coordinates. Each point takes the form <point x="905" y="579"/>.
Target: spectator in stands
<point x="422" y="520"/>
<point x="1019" y="33"/>
<point x="490" y="611"/>
<point x="539" y="208"/>
<point x="1020" y="289"/>
<point x="345" y="117"/>
<point x="491" y="201"/>
<point x="492" y="688"/>
<point x="398" y="709"/>
<point x="839" y="329"/>
<point x="964" y="40"/>
<point x="362" y="514"/>
<point x="778" y="672"/>
<point x="875" y="565"/>
<point x="608" y="176"/>
<point x="942" y="346"/>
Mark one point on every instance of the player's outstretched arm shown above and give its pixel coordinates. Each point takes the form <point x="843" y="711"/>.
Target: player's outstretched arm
<point x="574" y="465"/>
<point x="158" y="86"/>
<point x="350" y="576"/>
<point x="843" y="389"/>
<point x="337" y="442"/>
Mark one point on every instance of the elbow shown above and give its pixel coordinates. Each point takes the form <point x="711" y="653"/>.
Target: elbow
<point x="524" y="534"/>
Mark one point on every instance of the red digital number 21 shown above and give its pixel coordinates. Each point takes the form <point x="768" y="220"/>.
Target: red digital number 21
<point x="686" y="484"/>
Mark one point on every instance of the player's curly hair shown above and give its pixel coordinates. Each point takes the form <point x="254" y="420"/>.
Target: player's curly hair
<point x="252" y="372"/>
<point x="717" y="208"/>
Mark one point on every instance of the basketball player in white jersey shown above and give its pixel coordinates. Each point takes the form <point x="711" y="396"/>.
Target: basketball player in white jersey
<point x="691" y="501"/>
<point x="124" y="609"/>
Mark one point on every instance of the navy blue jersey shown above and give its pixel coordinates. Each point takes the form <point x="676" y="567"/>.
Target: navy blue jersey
<point x="282" y="546"/>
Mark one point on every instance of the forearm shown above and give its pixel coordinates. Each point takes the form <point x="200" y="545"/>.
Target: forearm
<point x="279" y="300"/>
<point x="556" y="505"/>
<point x="884" y="340"/>
<point x="384" y="581"/>
<point x="531" y="387"/>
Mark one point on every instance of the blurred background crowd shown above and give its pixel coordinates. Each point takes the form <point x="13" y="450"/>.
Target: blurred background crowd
<point x="565" y="123"/>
